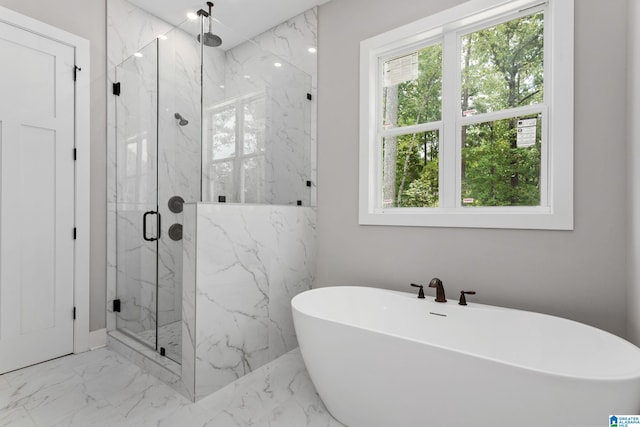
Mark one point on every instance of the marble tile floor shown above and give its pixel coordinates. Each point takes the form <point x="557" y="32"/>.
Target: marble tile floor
<point x="101" y="388"/>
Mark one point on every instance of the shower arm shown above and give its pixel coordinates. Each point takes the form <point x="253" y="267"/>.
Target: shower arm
<point x="210" y="4"/>
<point x="207" y="14"/>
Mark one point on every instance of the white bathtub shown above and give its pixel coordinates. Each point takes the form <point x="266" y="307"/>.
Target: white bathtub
<point x="381" y="358"/>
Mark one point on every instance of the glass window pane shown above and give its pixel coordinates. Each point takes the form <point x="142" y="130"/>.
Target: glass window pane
<point x="222" y="181"/>
<point x="254" y="126"/>
<point x="501" y="162"/>
<point x="410" y="172"/>
<point x="413" y="88"/>
<point x="503" y="66"/>
<point x="253" y="179"/>
<point x="224" y="133"/>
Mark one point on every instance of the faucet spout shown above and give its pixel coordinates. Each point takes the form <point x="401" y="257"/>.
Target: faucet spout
<point x="437" y="283"/>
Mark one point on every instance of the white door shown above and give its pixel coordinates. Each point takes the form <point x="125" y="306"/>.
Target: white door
<point x="36" y="198"/>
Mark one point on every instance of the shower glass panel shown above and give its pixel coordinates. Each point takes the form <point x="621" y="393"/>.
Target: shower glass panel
<point x="179" y="162"/>
<point x="257" y="128"/>
<point x="158" y="134"/>
<point x="137" y="176"/>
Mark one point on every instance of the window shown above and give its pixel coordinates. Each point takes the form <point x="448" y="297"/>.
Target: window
<point x="236" y="151"/>
<point x="466" y="118"/>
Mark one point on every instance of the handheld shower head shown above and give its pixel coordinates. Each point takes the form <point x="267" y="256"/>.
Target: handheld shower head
<point x="182" y="121"/>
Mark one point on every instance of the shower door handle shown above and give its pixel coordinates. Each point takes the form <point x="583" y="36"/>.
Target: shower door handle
<point x="144" y="226"/>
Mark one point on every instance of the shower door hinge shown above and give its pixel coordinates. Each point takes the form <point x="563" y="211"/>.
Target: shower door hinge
<point x="75" y="233"/>
<point x="74" y="313"/>
<point x="116" y="89"/>
<point x="75" y="154"/>
<point x="75" y="72"/>
<point x="309" y="97"/>
<point x="116" y="305"/>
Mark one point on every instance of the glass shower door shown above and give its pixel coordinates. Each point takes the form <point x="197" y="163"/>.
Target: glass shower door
<point x="137" y="218"/>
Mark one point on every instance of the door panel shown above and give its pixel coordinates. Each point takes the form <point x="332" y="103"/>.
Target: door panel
<point x="37" y="183"/>
<point x="36" y="198"/>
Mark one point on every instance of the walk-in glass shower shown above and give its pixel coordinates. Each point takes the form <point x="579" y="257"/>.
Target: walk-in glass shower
<point x="197" y="123"/>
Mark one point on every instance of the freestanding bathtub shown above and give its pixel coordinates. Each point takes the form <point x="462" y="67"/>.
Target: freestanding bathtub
<point x="381" y="358"/>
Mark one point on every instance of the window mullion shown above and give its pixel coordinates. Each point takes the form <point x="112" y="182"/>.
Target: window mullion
<point x="450" y="108"/>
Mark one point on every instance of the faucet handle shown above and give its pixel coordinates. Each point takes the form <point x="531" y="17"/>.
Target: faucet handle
<point x="463" y="300"/>
<point x="420" y="292"/>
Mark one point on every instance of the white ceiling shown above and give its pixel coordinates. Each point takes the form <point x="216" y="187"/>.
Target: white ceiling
<point x="240" y="19"/>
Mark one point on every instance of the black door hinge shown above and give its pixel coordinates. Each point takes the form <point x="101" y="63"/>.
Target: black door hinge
<point x="163" y="352"/>
<point x="309" y="97"/>
<point x="75" y="72"/>
<point x="116" y="89"/>
<point x="75" y="233"/>
<point x="116" y="305"/>
<point x="74" y="313"/>
<point x="75" y="154"/>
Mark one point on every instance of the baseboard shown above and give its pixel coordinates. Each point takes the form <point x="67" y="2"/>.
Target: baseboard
<point x="97" y="338"/>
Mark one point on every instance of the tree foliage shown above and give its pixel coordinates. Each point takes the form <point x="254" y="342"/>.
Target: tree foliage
<point x="502" y="68"/>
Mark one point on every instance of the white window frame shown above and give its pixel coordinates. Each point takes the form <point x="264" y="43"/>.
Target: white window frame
<point x="556" y="182"/>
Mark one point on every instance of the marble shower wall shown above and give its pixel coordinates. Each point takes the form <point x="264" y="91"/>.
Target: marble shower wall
<point x="245" y="263"/>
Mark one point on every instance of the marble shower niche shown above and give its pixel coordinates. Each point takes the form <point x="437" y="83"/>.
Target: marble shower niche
<point x="233" y="124"/>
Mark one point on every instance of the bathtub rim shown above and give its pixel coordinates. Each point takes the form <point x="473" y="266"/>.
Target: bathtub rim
<point x="631" y="377"/>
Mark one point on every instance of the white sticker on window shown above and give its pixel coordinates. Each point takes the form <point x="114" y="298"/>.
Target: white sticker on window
<point x="526" y="133"/>
<point x="401" y="70"/>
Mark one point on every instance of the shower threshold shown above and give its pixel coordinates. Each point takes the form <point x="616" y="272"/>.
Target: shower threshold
<point x="169" y="338"/>
<point x="148" y="359"/>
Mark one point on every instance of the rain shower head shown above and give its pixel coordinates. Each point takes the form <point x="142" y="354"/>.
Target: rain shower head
<point x="183" y="121"/>
<point x="208" y="38"/>
<point x="211" y="40"/>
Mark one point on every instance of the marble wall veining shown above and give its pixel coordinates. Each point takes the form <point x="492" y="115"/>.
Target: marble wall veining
<point x="250" y="260"/>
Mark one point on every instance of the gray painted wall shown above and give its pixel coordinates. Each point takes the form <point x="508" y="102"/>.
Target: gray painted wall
<point x="86" y="18"/>
<point x="633" y="112"/>
<point x="578" y="274"/>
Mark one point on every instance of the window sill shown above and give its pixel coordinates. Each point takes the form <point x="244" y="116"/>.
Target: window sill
<point x="533" y="218"/>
